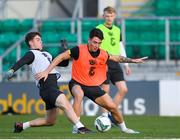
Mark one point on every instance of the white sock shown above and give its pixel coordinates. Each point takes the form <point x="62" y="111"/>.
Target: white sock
<point x="122" y="126"/>
<point x="79" y="124"/>
<point x="105" y="114"/>
<point x="26" y="125"/>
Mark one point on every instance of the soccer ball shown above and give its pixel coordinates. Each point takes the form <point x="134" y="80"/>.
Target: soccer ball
<point x="102" y="123"/>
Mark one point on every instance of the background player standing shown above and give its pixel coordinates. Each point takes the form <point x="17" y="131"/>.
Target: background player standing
<point x="112" y="43"/>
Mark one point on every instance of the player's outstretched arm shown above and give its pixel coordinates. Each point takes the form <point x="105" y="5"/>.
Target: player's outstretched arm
<point x="122" y="59"/>
<point x="27" y="59"/>
<point x="63" y="56"/>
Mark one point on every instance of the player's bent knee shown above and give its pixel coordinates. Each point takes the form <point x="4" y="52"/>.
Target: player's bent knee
<point x="125" y="90"/>
<point x="78" y="97"/>
<point x="65" y="106"/>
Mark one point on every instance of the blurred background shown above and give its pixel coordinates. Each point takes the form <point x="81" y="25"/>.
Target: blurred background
<point x="149" y="28"/>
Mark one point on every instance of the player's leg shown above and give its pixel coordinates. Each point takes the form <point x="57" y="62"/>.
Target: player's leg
<point x="106" y="88"/>
<point x="122" y="91"/>
<point x="65" y="105"/>
<point x="117" y="78"/>
<point x="78" y="95"/>
<point x="48" y="120"/>
<point x="107" y="102"/>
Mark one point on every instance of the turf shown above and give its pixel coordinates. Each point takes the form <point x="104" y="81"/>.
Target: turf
<point x="151" y="127"/>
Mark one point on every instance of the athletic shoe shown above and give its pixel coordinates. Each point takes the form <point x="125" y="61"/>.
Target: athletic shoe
<point x="74" y="130"/>
<point x="130" y="131"/>
<point x="18" y="127"/>
<point x="84" y="130"/>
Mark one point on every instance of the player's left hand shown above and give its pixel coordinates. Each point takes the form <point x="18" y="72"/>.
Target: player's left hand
<point x="64" y="44"/>
<point x="140" y="60"/>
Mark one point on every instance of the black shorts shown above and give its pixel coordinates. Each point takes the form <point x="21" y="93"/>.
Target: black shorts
<point x="115" y="72"/>
<point x="92" y="92"/>
<point x="49" y="91"/>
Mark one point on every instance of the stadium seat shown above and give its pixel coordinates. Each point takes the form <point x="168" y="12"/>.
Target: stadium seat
<point x="24" y="49"/>
<point x="132" y="37"/>
<point x="55" y="26"/>
<point x="175" y="25"/>
<point x="50" y="37"/>
<point x="177" y="8"/>
<point x="10" y="25"/>
<point x="48" y="26"/>
<point x="71" y="38"/>
<point x="26" y="25"/>
<point x="178" y="51"/>
<point x="161" y="51"/>
<point x="87" y="24"/>
<point x="6" y="67"/>
<point x="148" y="36"/>
<point x="175" y="52"/>
<point x="175" y="36"/>
<point x="64" y="26"/>
<point x="164" y="7"/>
<point x="2" y="50"/>
<point x="54" y="51"/>
<point x="158" y="25"/>
<point x="8" y="39"/>
<point x="132" y="25"/>
<point x="161" y="36"/>
<point x="167" y="8"/>
<point x="85" y="36"/>
<point x="1" y="23"/>
<point x="145" y="50"/>
<point x="54" y="37"/>
<point x="3" y="41"/>
<point x="129" y="51"/>
<point x="144" y="25"/>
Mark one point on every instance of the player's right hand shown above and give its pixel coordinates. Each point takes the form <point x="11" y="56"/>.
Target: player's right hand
<point x="41" y="75"/>
<point x="9" y="75"/>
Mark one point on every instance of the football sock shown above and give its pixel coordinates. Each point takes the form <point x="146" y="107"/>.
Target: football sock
<point x="122" y="126"/>
<point x="79" y="124"/>
<point x="105" y="114"/>
<point x="79" y="118"/>
<point x="26" y="125"/>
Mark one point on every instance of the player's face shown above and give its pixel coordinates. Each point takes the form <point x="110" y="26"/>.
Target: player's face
<point x="94" y="44"/>
<point x="109" y="18"/>
<point x="36" y="43"/>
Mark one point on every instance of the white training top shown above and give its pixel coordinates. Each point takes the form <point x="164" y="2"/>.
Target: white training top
<point x="42" y="60"/>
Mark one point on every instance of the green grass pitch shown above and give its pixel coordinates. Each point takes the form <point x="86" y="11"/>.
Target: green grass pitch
<point x="150" y="127"/>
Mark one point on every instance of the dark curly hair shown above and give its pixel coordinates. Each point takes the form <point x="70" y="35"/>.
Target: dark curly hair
<point x="96" y="33"/>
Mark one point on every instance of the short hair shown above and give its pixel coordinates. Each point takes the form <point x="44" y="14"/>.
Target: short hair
<point x="96" y="33"/>
<point x="30" y="36"/>
<point x="109" y="9"/>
